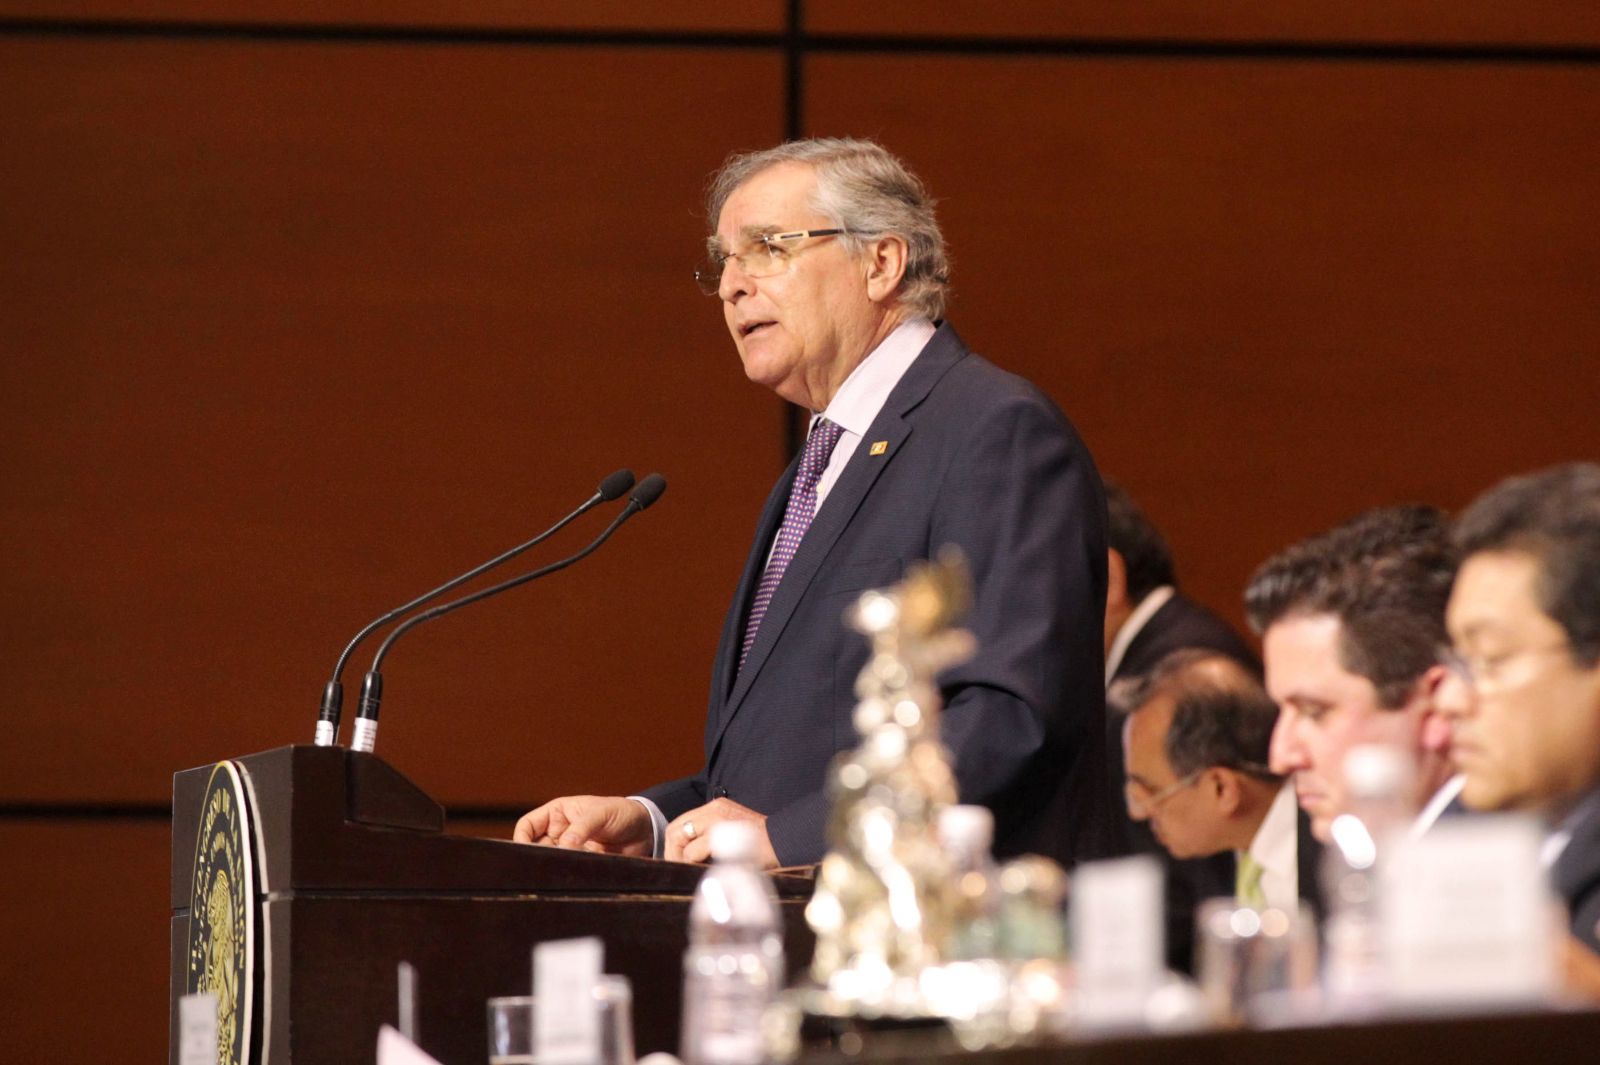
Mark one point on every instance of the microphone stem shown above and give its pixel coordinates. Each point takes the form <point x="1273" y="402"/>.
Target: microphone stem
<point x="338" y="670"/>
<point x="456" y="604"/>
<point x="366" y="727"/>
<point x="333" y="695"/>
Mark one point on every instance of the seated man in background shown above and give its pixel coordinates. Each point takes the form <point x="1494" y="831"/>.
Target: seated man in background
<point x="1197" y="738"/>
<point x="1523" y="698"/>
<point x="1351" y="622"/>
<point x="1147" y="618"/>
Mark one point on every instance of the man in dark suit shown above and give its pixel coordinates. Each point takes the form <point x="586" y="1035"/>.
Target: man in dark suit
<point x="831" y="272"/>
<point x="1523" y="690"/>
<point x="1148" y="618"/>
<point x="1196" y="736"/>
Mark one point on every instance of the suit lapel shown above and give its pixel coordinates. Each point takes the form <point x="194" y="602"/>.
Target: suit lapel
<point x="733" y="628"/>
<point x="837" y="511"/>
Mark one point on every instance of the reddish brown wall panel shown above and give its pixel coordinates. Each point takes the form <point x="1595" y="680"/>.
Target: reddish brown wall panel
<point x="85" y="922"/>
<point x="1422" y="22"/>
<point x="295" y="331"/>
<point x="658" y="15"/>
<point x="1270" y="293"/>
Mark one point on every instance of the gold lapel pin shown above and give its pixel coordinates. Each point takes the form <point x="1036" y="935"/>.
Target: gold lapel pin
<point x="879" y="447"/>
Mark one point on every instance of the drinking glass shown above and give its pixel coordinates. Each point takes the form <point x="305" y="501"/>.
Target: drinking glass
<point x="511" y="1030"/>
<point x="1256" y="966"/>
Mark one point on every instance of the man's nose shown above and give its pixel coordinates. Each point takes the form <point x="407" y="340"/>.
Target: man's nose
<point x="1453" y="697"/>
<point x="1285" y="754"/>
<point x="735" y="282"/>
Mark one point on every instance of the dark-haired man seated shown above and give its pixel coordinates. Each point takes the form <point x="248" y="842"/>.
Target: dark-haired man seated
<point x="1351" y="622"/>
<point x="1523" y="696"/>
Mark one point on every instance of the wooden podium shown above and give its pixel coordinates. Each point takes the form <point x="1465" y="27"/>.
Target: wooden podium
<point x="349" y="872"/>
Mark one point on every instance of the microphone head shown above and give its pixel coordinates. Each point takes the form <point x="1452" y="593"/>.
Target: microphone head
<point x="615" y="485"/>
<point x="649" y="491"/>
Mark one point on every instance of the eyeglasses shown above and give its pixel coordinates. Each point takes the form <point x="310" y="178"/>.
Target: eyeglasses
<point x="1141" y="801"/>
<point x="1476" y="670"/>
<point x="768" y="255"/>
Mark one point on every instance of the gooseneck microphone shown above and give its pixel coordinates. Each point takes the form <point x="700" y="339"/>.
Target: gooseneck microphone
<point x="333" y="694"/>
<point x="365" y="735"/>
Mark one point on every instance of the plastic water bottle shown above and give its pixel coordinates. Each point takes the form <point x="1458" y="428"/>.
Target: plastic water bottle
<point x="734" y="964"/>
<point x="1378" y="786"/>
<point x="966" y="833"/>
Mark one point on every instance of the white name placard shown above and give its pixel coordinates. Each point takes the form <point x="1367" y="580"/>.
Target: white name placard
<point x="566" y="1021"/>
<point x="1117" y="938"/>
<point x="197" y="1030"/>
<point x="1468" y="916"/>
<point x="396" y="1049"/>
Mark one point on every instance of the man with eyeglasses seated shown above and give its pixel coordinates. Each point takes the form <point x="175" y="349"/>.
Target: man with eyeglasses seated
<point x="831" y="275"/>
<point x="1351" y="621"/>
<point x="1523" y="698"/>
<point x="1195" y="749"/>
<point x="1149" y="617"/>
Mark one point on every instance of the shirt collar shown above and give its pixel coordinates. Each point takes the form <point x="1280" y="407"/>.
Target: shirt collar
<point x="867" y="389"/>
<point x="1142" y="613"/>
<point x="1556" y="842"/>
<point x="1275" y="840"/>
<point x="1435" y="807"/>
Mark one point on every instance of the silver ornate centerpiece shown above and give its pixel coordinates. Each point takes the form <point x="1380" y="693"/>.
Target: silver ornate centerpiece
<point x="883" y="907"/>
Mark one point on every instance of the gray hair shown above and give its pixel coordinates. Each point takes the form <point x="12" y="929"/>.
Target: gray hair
<point x="1221" y="715"/>
<point x="867" y="192"/>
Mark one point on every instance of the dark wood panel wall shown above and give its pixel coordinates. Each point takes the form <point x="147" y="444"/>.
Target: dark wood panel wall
<point x="303" y="311"/>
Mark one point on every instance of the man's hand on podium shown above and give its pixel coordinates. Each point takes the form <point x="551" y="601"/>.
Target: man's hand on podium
<point x="600" y="823"/>
<point x="689" y="836"/>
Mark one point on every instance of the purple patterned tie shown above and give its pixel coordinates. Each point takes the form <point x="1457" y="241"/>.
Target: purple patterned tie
<point x="796" y="520"/>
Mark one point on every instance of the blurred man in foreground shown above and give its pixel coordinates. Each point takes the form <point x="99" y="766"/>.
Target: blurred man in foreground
<point x="1351" y="623"/>
<point x="1523" y="699"/>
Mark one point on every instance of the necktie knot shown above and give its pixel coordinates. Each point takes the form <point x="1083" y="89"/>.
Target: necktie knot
<point x="819" y="448"/>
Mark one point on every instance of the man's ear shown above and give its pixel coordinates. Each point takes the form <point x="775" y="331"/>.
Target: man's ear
<point x="1434" y="730"/>
<point x="886" y="267"/>
<point x="1224" y="784"/>
<point x="1116" y="577"/>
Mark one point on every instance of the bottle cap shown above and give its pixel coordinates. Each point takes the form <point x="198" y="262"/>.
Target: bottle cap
<point x="966" y="828"/>
<point x="733" y="841"/>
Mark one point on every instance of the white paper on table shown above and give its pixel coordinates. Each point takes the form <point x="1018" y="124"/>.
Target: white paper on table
<point x="1467" y="913"/>
<point x="566" y="1022"/>
<point x="1117" y="937"/>
<point x="197" y="1029"/>
<point x="396" y="1049"/>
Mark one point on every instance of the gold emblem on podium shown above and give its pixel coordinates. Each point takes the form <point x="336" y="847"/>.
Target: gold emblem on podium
<point x="222" y="919"/>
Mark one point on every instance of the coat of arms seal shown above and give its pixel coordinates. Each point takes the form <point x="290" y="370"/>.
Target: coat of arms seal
<point x="222" y="917"/>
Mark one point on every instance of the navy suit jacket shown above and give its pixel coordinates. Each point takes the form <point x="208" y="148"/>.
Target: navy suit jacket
<point x="1576" y="873"/>
<point x="975" y="457"/>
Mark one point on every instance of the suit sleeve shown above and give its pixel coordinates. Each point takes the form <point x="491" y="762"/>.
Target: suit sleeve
<point x="1021" y="499"/>
<point x="1024" y="503"/>
<point x="678" y="796"/>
